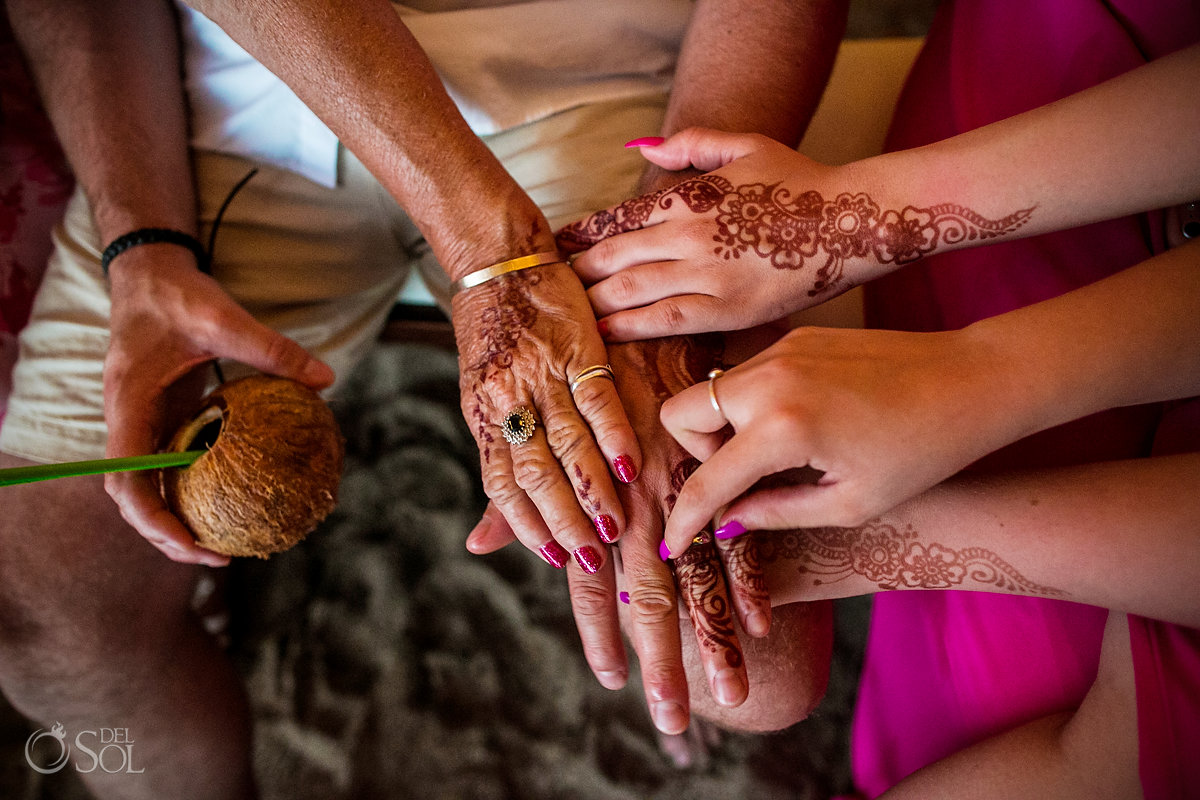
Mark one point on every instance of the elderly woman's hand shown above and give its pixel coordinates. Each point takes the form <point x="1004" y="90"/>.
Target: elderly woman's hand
<point x="715" y="581"/>
<point x="548" y="454"/>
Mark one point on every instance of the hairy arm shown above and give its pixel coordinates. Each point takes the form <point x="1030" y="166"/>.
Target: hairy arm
<point x="357" y="66"/>
<point x="755" y="66"/>
<point x="114" y="115"/>
<point x="1121" y="535"/>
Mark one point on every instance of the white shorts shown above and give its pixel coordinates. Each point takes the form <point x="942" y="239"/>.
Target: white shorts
<point x="322" y="266"/>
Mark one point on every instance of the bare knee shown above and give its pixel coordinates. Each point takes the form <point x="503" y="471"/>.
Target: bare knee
<point x="788" y="671"/>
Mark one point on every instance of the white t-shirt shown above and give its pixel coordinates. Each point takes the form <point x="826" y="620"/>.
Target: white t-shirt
<point x="504" y="64"/>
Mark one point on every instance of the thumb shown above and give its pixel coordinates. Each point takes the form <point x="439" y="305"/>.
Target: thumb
<point x="256" y="345"/>
<point x="703" y="148"/>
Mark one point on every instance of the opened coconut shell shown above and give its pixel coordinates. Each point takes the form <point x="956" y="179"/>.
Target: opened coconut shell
<point x="271" y="472"/>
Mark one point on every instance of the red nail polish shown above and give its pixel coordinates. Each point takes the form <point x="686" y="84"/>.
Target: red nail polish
<point x="602" y="327"/>
<point x="646" y="141"/>
<point x="589" y="559"/>
<point x="626" y="471"/>
<point x="606" y="527"/>
<point x="555" y="554"/>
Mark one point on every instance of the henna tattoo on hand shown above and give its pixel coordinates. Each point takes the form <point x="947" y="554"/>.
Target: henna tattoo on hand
<point x="743" y="566"/>
<point x="504" y="321"/>
<point x="793" y="232"/>
<point x="698" y="574"/>
<point x="894" y="558"/>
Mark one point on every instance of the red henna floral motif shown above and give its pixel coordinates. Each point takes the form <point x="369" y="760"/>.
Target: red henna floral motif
<point x="891" y="558"/>
<point x="791" y="231"/>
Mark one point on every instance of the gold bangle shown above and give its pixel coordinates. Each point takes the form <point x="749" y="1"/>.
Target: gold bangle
<point x="504" y="267"/>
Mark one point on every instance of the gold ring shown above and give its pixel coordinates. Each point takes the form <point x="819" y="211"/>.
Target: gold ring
<point x="594" y="371"/>
<point x="519" y="425"/>
<point x="712" y="392"/>
<point x="703" y="537"/>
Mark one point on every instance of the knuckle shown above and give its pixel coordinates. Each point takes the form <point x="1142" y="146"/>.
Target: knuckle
<point x="590" y="600"/>
<point x="535" y="473"/>
<point x="623" y="286"/>
<point x="652" y="605"/>
<point x="670" y="315"/>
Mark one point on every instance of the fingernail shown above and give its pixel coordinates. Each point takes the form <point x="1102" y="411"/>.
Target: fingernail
<point x="588" y="559"/>
<point x="602" y="328"/>
<point x="612" y="679"/>
<point x="669" y="717"/>
<point x="606" y="527"/>
<point x="758" y="625"/>
<point x="663" y="551"/>
<point x="646" y="141"/>
<point x="625" y="469"/>
<point x="555" y="554"/>
<point x="318" y="373"/>
<point x="730" y="530"/>
<point x="624" y="597"/>
<point x="729" y="688"/>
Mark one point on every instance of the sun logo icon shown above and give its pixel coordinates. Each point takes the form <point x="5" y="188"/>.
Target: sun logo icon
<point x="59" y="734"/>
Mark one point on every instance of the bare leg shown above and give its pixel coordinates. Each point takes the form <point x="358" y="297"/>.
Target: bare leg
<point x="96" y="632"/>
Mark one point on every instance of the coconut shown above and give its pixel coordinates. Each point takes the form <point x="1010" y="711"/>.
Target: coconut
<point x="271" y="472"/>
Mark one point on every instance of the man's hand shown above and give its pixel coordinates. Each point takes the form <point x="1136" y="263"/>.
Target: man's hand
<point x="168" y="318"/>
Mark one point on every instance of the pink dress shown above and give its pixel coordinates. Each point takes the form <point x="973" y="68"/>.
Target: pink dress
<point x="946" y="669"/>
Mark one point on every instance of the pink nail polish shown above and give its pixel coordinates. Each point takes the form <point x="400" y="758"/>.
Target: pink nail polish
<point x="588" y="559"/>
<point x="555" y="554"/>
<point x="646" y="141"/>
<point x="624" y="597"/>
<point x="730" y="530"/>
<point x="663" y="552"/>
<point x="626" y="471"/>
<point x="606" y="527"/>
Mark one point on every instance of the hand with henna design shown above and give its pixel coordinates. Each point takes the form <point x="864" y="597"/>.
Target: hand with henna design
<point x="521" y="338"/>
<point x="767" y="232"/>
<point x="719" y="583"/>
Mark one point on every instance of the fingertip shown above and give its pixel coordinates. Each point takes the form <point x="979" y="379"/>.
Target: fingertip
<point x="317" y="374"/>
<point x="645" y="141"/>
<point x="669" y="717"/>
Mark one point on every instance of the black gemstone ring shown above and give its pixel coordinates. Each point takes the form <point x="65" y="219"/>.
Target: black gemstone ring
<point x="519" y="425"/>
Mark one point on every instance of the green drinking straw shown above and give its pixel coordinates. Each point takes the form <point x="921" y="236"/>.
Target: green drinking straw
<point x="45" y="472"/>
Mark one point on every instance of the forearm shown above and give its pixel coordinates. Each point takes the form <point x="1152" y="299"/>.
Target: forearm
<point x="109" y="77"/>
<point x="1121" y="535"/>
<point x="357" y="66"/>
<point x="752" y="66"/>
<point x="1116" y="149"/>
<point x="1130" y="338"/>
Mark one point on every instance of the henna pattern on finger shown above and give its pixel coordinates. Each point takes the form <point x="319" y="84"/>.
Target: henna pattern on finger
<point x="894" y="558"/>
<point x="795" y="231"/>
<point x="701" y="582"/>
<point x="743" y="566"/>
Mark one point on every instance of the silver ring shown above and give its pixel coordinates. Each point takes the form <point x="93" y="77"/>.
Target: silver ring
<point x="712" y="392"/>
<point x="519" y="425"/>
<point x="595" y="371"/>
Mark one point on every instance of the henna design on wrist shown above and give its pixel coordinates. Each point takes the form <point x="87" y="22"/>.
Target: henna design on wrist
<point x="894" y="558"/>
<point x="794" y="231"/>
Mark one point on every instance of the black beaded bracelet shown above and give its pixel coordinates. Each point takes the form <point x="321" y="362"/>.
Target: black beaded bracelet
<point x="154" y="236"/>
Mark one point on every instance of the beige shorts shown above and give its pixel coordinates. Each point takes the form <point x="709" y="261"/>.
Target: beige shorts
<point x="323" y="266"/>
